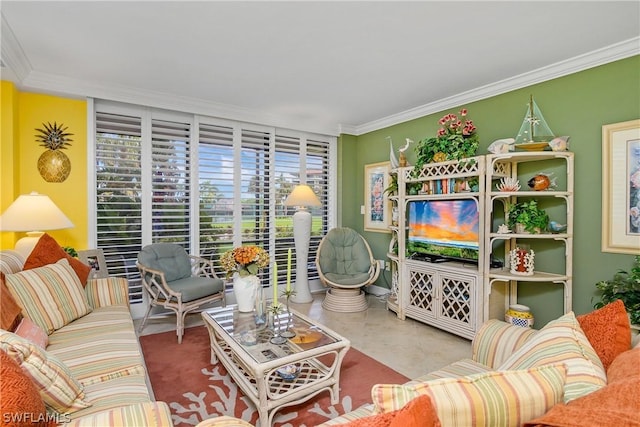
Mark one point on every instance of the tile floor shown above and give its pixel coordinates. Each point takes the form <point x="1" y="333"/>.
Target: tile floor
<point x="410" y="347"/>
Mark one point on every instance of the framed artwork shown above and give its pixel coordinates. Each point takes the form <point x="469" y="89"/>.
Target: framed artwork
<point x="377" y="208"/>
<point x="95" y="258"/>
<point x="621" y="187"/>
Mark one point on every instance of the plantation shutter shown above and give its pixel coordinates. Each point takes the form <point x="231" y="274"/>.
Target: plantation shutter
<point x="118" y="195"/>
<point x="170" y="163"/>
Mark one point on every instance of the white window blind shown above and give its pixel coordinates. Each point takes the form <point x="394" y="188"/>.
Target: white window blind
<point x="208" y="188"/>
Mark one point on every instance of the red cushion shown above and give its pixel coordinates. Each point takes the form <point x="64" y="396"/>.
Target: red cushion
<point x="608" y="330"/>
<point x="48" y="251"/>
<point x="21" y="404"/>
<point x="10" y="311"/>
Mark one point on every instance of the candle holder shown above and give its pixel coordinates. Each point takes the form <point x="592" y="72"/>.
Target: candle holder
<point x="260" y="308"/>
<point x="288" y="332"/>
<point x="277" y="338"/>
<point x="521" y="260"/>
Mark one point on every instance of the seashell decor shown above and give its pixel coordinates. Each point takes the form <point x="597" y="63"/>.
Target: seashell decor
<point x="508" y="184"/>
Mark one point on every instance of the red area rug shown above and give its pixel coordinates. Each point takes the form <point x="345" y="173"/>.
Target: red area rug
<point x="182" y="376"/>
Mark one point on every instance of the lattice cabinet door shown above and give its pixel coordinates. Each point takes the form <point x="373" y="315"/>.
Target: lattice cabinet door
<point x="422" y="291"/>
<point x="457" y="298"/>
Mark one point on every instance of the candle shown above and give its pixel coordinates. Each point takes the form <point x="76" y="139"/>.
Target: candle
<point x="275" y="283"/>
<point x="289" y="271"/>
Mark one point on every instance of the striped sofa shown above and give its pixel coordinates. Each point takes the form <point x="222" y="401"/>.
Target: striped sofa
<point x="101" y="351"/>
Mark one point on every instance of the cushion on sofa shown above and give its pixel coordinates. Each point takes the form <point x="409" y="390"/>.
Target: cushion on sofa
<point x="51" y="296"/>
<point x="419" y="412"/>
<point x="48" y="251"/>
<point x="616" y="405"/>
<point x="497" y="340"/>
<point x="10" y="310"/>
<point x="32" y="332"/>
<point x="97" y="345"/>
<point x="156" y="414"/>
<point x="608" y="330"/>
<point x="58" y="389"/>
<point x="19" y="396"/>
<point x="562" y="341"/>
<point x="626" y="365"/>
<point x="497" y="398"/>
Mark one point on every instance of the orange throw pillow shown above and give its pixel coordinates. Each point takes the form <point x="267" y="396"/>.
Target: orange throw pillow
<point x="417" y="413"/>
<point x="10" y="311"/>
<point x="48" y="251"/>
<point x="608" y="330"/>
<point x="21" y="404"/>
<point x="626" y="365"/>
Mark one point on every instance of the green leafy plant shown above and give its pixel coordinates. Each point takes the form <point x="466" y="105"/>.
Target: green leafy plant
<point x="529" y="215"/>
<point x="624" y="286"/>
<point x="454" y="140"/>
<point x="71" y="251"/>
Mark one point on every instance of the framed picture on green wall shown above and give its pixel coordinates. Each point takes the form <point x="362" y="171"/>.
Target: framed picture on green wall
<point x="377" y="208"/>
<point x="621" y="187"/>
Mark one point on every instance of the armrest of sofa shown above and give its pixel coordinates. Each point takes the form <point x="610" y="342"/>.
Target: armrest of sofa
<point x="497" y="340"/>
<point x="150" y="414"/>
<point x="107" y="291"/>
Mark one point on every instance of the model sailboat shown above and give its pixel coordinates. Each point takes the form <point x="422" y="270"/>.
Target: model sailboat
<point x="534" y="133"/>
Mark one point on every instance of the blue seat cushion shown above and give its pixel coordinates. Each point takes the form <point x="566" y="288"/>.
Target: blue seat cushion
<point x="170" y="258"/>
<point x="193" y="288"/>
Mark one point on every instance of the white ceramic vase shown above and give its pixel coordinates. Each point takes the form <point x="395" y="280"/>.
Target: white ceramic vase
<point x="244" y="289"/>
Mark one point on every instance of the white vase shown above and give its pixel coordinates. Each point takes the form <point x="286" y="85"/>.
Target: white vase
<point x="244" y="289"/>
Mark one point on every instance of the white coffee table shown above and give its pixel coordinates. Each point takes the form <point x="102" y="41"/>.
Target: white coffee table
<point x="253" y="361"/>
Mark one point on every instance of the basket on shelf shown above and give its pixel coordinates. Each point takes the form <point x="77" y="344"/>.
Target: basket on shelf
<point x="519" y="315"/>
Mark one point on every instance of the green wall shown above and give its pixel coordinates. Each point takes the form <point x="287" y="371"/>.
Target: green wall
<point x="576" y="105"/>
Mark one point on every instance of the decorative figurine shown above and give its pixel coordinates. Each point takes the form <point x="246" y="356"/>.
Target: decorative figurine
<point x="560" y="143"/>
<point x="501" y="145"/>
<point x="521" y="261"/>
<point x="542" y="181"/>
<point x="504" y="229"/>
<point x="403" y="158"/>
<point x="556" y="227"/>
<point x="508" y="184"/>
<point x="393" y="160"/>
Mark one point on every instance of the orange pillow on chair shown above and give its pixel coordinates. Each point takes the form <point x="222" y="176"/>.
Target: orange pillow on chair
<point x="48" y="251"/>
<point x="608" y="330"/>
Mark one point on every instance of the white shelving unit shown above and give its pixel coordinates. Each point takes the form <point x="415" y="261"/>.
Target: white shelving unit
<point x="460" y="297"/>
<point x="446" y="295"/>
<point x="506" y="165"/>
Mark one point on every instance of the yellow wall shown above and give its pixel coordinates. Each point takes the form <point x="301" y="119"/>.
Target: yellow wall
<point x="30" y="111"/>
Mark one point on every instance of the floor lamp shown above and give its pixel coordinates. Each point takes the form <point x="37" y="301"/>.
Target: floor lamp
<point x="301" y="197"/>
<point x="33" y="213"/>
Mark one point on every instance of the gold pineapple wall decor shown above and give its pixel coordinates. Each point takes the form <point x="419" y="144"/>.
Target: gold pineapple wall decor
<point x="53" y="164"/>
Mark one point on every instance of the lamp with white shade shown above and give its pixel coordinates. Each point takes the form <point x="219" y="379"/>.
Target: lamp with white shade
<point x="32" y="213"/>
<point x="302" y="196"/>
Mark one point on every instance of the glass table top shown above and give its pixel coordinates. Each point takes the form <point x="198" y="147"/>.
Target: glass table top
<point x="256" y="338"/>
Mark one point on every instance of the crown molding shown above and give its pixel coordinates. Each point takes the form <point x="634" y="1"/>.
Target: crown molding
<point x="11" y="52"/>
<point x="615" y="52"/>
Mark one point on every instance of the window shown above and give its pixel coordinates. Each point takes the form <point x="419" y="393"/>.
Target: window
<point x="206" y="184"/>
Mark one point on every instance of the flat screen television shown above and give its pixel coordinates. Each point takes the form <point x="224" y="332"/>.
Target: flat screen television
<point x="443" y="230"/>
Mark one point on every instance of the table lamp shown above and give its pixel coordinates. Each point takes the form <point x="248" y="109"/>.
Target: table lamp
<point x="33" y="213"/>
<point x="301" y="197"/>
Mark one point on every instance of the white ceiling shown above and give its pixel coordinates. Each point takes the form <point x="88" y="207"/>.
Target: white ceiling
<point x="323" y="66"/>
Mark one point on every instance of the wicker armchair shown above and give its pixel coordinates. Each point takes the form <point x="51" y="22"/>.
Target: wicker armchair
<point x="345" y="264"/>
<point x="177" y="281"/>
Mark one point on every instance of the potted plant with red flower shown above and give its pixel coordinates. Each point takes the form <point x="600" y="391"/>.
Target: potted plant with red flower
<point x="456" y="139"/>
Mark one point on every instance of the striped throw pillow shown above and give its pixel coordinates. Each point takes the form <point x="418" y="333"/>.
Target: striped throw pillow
<point x="51" y="296"/>
<point x="60" y="392"/>
<point x="562" y="341"/>
<point x="507" y="398"/>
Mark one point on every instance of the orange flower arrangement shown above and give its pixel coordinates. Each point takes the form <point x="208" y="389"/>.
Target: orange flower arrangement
<point x="244" y="260"/>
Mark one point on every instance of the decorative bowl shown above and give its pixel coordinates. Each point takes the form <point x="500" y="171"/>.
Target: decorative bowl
<point x="288" y="372"/>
